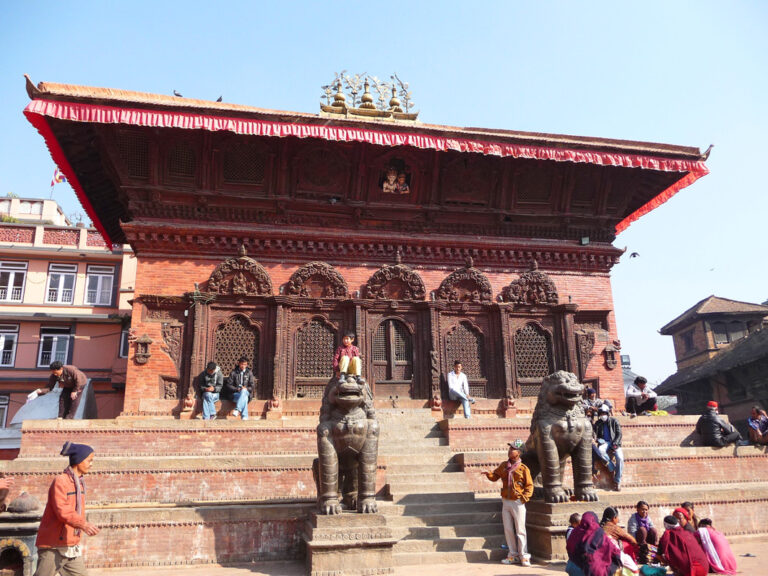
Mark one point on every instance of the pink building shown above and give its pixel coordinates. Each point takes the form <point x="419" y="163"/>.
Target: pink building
<point x="63" y="296"/>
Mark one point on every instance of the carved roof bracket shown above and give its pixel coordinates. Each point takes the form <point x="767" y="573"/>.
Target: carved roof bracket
<point x="533" y="288"/>
<point x="241" y="276"/>
<point x="466" y="284"/>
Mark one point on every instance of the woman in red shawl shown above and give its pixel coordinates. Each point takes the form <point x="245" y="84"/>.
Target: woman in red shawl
<point x="679" y="549"/>
<point x="590" y="550"/>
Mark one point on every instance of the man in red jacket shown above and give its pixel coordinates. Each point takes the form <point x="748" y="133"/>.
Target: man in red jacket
<point x="63" y="521"/>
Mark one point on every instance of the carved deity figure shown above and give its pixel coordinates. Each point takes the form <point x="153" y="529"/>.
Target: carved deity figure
<point x="347" y="448"/>
<point x="559" y="429"/>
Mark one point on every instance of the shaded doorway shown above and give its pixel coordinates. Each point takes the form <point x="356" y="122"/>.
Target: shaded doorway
<point x="392" y="359"/>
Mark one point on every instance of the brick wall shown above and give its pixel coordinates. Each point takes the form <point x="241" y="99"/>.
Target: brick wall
<point x="64" y="236"/>
<point x="17" y="234"/>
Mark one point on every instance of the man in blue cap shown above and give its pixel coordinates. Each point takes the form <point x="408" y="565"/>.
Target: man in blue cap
<point x="63" y="521"/>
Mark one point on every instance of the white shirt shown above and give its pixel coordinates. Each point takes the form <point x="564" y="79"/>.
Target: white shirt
<point x="458" y="383"/>
<point x="634" y="391"/>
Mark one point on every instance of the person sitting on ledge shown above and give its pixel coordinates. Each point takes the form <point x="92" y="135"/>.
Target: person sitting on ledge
<point x="591" y="404"/>
<point x="209" y="385"/>
<point x="607" y="444"/>
<point x="679" y="549"/>
<point x="346" y="359"/>
<point x="689" y="507"/>
<point x="758" y="426"/>
<point x="714" y="430"/>
<point x="642" y="529"/>
<point x="640" y="398"/>
<point x="238" y="388"/>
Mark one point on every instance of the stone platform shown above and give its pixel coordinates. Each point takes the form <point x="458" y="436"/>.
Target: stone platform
<point x="174" y="492"/>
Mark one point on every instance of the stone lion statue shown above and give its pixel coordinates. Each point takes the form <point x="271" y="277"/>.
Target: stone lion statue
<point x="347" y="448"/>
<point x="559" y="429"/>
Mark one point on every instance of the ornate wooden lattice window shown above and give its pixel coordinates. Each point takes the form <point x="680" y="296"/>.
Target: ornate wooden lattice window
<point x="181" y="161"/>
<point x="246" y="164"/>
<point x="314" y="351"/>
<point x="392" y="353"/>
<point x="467" y="346"/>
<point x="533" y="358"/>
<point x="234" y="339"/>
<point x="134" y="152"/>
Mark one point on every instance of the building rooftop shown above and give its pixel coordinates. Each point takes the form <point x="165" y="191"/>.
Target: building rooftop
<point x="713" y="305"/>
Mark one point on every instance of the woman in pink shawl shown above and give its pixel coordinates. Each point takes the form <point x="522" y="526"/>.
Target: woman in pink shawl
<point x="590" y="550"/>
<point x="721" y="558"/>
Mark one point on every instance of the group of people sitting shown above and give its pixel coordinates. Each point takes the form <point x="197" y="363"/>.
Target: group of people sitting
<point x="236" y="388"/>
<point x="689" y="546"/>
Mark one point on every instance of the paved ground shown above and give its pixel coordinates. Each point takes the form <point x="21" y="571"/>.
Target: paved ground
<point x="756" y="565"/>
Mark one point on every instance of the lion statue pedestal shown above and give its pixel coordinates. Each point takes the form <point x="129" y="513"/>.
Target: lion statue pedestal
<point x="346" y="535"/>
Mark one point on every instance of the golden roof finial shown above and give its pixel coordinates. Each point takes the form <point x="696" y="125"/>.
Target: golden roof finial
<point x="367" y="100"/>
<point x="339" y="99"/>
<point x="394" y="103"/>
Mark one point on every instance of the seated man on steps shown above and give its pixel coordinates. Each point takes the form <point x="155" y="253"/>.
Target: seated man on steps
<point x="458" y="388"/>
<point x="640" y="398"/>
<point x="607" y="444"/>
<point x="209" y="385"/>
<point x="714" y="430"/>
<point x="238" y="388"/>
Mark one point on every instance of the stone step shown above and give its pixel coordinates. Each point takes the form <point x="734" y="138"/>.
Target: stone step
<point x="430" y="459"/>
<point x="391" y="509"/>
<point x="403" y="488"/>
<point x="417" y="558"/>
<point x="422" y="477"/>
<point x="449" y="519"/>
<point x="423" y="468"/>
<point x="407" y="499"/>
<point x="438" y="532"/>
<point x="490" y="543"/>
<point x="410" y="443"/>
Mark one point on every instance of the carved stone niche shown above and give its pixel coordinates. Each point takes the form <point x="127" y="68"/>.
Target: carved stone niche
<point x="241" y="276"/>
<point x="611" y="354"/>
<point x="533" y="288"/>
<point x="585" y="343"/>
<point x="397" y="282"/>
<point x="466" y="284"/>
<point x="317" y="280"/>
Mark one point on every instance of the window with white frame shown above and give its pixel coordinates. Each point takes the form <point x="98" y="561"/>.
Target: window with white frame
<point x="61" y="283"/>
<point x="12" y="277"/>
<point x="4" y="398"/>
<point x="98" y="288"/>
<point x="54" y="345"/>
<point x="9" y="337"/>
<point x="124" y="344"/>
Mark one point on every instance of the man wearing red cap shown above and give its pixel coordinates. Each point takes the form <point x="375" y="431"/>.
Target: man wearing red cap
<point x="714" y="430"/>
<point x="63" y="521"/>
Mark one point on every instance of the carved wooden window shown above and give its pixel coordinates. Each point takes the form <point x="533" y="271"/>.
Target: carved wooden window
<point x="314" y="351"/>
<point x="235" y="339"/>
<point x="468" y="347"/>
<point x="182" y="161"/>
<point x="244" y="164"/>
<point x="533" y="358"/>
<point x="392" y="353"/>
<point x="134" y="152"/>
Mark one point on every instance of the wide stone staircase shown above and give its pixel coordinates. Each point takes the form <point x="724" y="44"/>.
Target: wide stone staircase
<point x="170" y="492"/>
<point x="431" y="509"/>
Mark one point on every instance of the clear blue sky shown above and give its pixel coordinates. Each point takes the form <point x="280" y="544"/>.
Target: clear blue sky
<point x="688" y="73"/>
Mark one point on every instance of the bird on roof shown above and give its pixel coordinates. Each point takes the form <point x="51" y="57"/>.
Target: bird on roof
<point x="177" y="94"/>
<point x="219" y="99"/>
<point x="634" y="255"/>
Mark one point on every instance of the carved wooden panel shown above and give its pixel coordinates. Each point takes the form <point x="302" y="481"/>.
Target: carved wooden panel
<point x="133" y="148"/>
<point x="241" y="276"/>
<point x="314" y="350"/>
<point x="392" y="351"/>
<point x="533" y="288"/>
<point x="233" y="339"/>
<point x="317" y="280"/>
<point x="534" y="357"/>
<point x="468" y="181"/>
<point x="466" y="344"/>
<point x="169" y="387"/>
<point x="397" y="282"/>
<point x="173" y="335"/>
<point x="321" y="171"/>
<point x="466" y="284"/>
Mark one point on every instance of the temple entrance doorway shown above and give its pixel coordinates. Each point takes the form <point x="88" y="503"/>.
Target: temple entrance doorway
<point x="392" y="359"/>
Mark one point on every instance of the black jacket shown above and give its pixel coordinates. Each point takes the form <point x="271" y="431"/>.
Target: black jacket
<point x="712" y="427"/>
<point x="235" y="381"/>
<point x="613" y="426"/>
<point x="206" y="380"/>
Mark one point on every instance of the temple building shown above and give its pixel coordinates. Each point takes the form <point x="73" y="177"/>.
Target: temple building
<point x="721" y="348"/>
<point x="268" y="234"/>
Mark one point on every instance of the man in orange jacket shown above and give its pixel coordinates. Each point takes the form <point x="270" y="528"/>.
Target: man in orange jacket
<point x="63" y="521"/>
<point x="516" y="490"/>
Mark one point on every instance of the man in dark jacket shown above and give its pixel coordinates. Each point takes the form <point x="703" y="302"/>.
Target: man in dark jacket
<point x="72" y="383"/>
<point x="607" y="444"/>
<point x="209" y="385"/>
<point x="714" y="430"/>
<point x="238" y="388"/>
